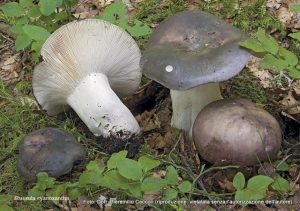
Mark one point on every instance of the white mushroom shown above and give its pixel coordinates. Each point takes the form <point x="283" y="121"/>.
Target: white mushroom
<point x="88" y="65"/>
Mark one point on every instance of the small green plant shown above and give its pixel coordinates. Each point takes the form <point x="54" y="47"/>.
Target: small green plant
<point x="35" y="20"/>
<point x="275" y="58"/>
<point x="5" y="201"/>
<point x="257" y="187"/>
<point x="119" y="174"/>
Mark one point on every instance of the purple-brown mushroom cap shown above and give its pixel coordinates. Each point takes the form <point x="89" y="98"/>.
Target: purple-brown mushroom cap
<point x="236" y="130"/>
<point x="49" y="150"/>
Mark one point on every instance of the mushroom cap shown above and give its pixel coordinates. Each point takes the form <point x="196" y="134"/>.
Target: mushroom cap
<point x="81" y="48"/>
<point x="50" y="150"/>
<point x="236" y="129"/>
<point x="191" y="48"/>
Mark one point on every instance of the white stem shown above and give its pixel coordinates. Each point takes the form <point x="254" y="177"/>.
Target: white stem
<point x="100" y="108"/>
<point x="187" y="105"/>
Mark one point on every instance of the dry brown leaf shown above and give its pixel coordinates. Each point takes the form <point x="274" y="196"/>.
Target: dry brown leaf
<point x="292" y="105"/>
<point x="267" y="169"/>
<point x="263" y="75"/>
<point x="284" y="15"/>
<point x="11" y="68"/>
<point x="274" y="4"/>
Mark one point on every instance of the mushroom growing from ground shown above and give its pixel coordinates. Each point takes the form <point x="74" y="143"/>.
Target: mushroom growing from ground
<point x="88" y="65"/>
<point x="190" y="49"/>
<point x="236" y="129"/>
<point x="50" y="150"/>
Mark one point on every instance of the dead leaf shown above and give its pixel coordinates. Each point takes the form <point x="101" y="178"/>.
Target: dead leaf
<point x="291" y="105"/>
<point x="267" y="169"/>
<point x="11" y="68"/>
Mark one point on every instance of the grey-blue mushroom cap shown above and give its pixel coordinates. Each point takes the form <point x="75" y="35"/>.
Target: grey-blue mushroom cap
<point x="192" y="48"/>
<point x="50" y="150"/>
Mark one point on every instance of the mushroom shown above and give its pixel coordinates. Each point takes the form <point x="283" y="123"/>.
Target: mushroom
<point x="88" y="65"/>
<point x="189" y="53"/>
<point x="236" y="129"/>
<point x="50" y="150"/>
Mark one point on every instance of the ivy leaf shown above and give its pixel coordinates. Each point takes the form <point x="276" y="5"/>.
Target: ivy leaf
<point x="22" y="41"/>
<point x="295" y="35"/>
<point x="252" y="45"/>
<point x="12" y="9"/>
<point x="47" y="7"/>
<point x="289" y="56"/>
<point x="239" y="181"/>
<point x="273" y="63"/>
<point x="36" y="32"/>
<point x="267" y="41"/>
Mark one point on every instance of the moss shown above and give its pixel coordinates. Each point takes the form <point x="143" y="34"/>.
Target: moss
<point x="246" y="17"/>
<point x="154" y="11"/>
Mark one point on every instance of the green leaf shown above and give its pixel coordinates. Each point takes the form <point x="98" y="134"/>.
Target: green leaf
<point x="90" y="177"/>
<point x="171" y="176"/>
<point x="74" y="191"/>
<point x="61" y="16"/>
<point x="114" y="12"/>
<point x="135" y="189"/>
<point x="36" y="32"/>
<point x="22" y="21"/>
<point x="12" y="9"/>
<point x="185" y="186"/>
<point x="37" y="45"/>
<point x="283" y="165"/>
<point x="42" y="184"/>
<point x="252" y="45"/>
<point x="113" y="179"/>
<point x="243" y="195"/>
<point x="129" y="169"/>
<point x="267" y="41"/>
<point x="57" y="191"/>
<point x="59" y="3"/>
<point x="22" y="41"/>
<point x="259" y="182"/>
<point x="289" y="56"/>
<point x="170" y="194"/>
<point x="34" y="11"/>
<point x="95" y="166"/>
<point x="148" y="163"/>
<point x="280" y="184"/>
<point x="114" y="159"/>
<point x="6" y="208"/>
<point x="271" y="62"/>
<point x="25" y="3"/>
<point x="5" y="199"/>
<point x="153" y="184"/>
<point x="293" y="72"/>
<point x="295" y="7"/>
<point x="47" y="7"/>
<point x="295" y="35"/>
<point x="18" y="29"/>
<point x="239" y="181"/>
<point x="136" y="30"/>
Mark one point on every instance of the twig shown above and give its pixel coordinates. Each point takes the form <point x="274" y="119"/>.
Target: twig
<point x="199" y="181"/>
